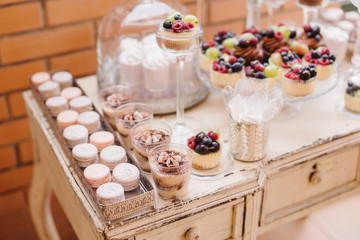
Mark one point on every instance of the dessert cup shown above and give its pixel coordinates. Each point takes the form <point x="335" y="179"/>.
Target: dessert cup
<point x="323" y="72"/>
<point x="127" y="116"/>
<point x="223" y="79"/>
<point x="147" y="135"/>
<point x="111" y="98"/>
<point x="299" y="88"/>
<point x="170" y="168"/>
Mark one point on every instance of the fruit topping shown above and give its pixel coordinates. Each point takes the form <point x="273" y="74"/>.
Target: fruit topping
<point x="212" y="53"/>
<point x="177" y="22"/>
<point x="248" y="40"/>
<point x="321" y="55"/>
<point x="284" y="58"/>
<point x="303" y="73"/>
<point x="353" y="87"/>
<point x="312" y="32"/>
<point x="222" y="34"/>
<point x="228" y="64"/>
<point x="204" y="143"/>
<point x="167" y="24"/>
<point x="260" y="71"/>
<point x="230" y="42"/>
<point x="191" y="19"/>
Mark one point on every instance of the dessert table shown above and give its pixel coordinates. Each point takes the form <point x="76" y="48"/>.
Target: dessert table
<point x="313" y="160"/>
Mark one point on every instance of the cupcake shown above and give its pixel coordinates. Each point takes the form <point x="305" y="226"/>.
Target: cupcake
<point x="262" y="75"/>
<point x="249" y="48"/>
<point x="206" y="149"/>
<point x="227" y="70"/>
<point x="300" y="80"/>
<point x="275" y="38"/>
<point x="324" y="61"/>
<point x="311" y="37"/>
<point x="284" y="59"/>
<point x="352" y="94"/>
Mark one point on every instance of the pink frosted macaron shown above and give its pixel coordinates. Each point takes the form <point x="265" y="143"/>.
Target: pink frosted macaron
<point x="91" y="120"/>
<point x="49" y="89"/>
<point x="127" y="175"/>
<point x="97" y="175"/>
<point x="56" y="105"/>
<point x="113" y="155"/>
<point x="71" y="92"/>
<point x="75" y="134"/>
<point x="110" y="193"/>
<point x="39" y="78"/>
<point x="85" y="154"/>
<point x="64" y="78"/>
<point x="102" y="139"/>
<point x="67" y="118"/>
<point x="81" y="104"/>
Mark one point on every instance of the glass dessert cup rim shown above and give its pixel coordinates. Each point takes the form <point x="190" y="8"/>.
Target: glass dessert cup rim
<point x="117" y="88"/>
<point x="172" y="147"/>
<point x="178" y="36"/>
<point x="164" y="127"/>
<point x="145" y="107"/>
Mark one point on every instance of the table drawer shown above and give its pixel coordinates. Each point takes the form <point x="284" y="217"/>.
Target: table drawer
<point x="295" y="188"/>
<point x="212" y="224"/>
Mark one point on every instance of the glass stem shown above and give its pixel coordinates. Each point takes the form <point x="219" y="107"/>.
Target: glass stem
<point x="200" y="6"/>
<point x="254" y="13"/>
<point x="310" y="15"/>
<point x="356" y="57"/>
<point x="180" y="61"/>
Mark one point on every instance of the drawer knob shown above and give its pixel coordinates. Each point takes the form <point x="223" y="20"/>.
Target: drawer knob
<point x="315" y="177"/>
<point x="192" y="234"/>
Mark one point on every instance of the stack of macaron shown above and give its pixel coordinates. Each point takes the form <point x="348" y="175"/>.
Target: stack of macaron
<point x="105" y="164"/>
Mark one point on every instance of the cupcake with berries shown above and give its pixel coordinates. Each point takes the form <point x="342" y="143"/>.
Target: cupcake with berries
<point x="262" y="75"/>
<point x="248" y="48"/>
<point x="311" y="37"/>
<point x="206" y="148"/>
<point x="179" y="27"/>
<point x="277" y="37"/>
<point x="211" y="51"/>
<point x="226" y="70"/>
<point x="284" y="59"/>
<point x="324" y="61"/>
<point x="352" y="94"/>
<point x="300" y="80"/>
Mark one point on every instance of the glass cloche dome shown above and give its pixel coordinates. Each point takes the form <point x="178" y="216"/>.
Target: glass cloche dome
<point x="128" y="54"/>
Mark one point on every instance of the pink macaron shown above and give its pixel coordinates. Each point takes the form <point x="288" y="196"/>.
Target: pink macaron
<point x="39" y="78"/>
<point x="102" y="139"/>
<point x="67" y="118"/>
<point x="110" y="193"/>
<point x="71" y="92"/>
<point x="97" y="175"/>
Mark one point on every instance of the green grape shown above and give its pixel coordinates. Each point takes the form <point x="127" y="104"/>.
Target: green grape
<point x="357" y="94"/>
<point x="171" y="17"/>
<point x="212" y="53"/>
<point x="249" y="36"/>
<point x="285" y="31"/>
<point x="191" y="18"/>
<point x="230" y="42"/>
<point x="270" y="71"/>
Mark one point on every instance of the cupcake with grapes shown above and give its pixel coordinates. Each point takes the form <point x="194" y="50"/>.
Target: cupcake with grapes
<point x="324" y="61"/>
<point x="277" y="37"/>
<point x="249" y="48"/>
<point x="211" y="51"/>
<point x="284" y="59"/>
<point x="206" y="148"/>
<point x="300" y="80"/>
<point x="352" y="94"/>
<point x="226" y="70"/>
<point x="262" y="75"/>
<point x="179" y="32"/>
<point x="311" y="37"/>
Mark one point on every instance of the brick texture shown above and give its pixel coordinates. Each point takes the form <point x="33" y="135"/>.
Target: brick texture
<point x="231" y="9"/>
<point x="4" y="2"/>
<point x="48" y="42"/>
<point x="15" y="178"/>
<point x="14" y="131"/>
<point x="20" y="18"/>
<point x="17" y="104"/>
<point x="7" y="157"/>
<point x="4" y="112"/>
<point x="26" y="151"/>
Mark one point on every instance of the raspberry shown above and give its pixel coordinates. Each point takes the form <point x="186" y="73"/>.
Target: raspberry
<point x="211" y="43"/>
<point x="259" y="68"/>
<point x="325" y="50"/>
<point x="213" y="135"/>
<point x="284" y="49"/>
<point x="191" y="144"/>
<point x="223" y="69"/>
<point x="278" y="35"/>
<point x="296" y="70"/>
<point x="307" y="57"/>
<point x="253" y="42"/>
<point x="324" y="61"/>
<point x="232" y="59"/>
<point x="253" y="30"/>
<point x="221" y="32"/>
<point x="281" y="24"/>
<point x="307" y="28"/>
<point x="191" y="25"/>
<point x="179" y="21"/>
<point x="177" y="27"/>
<point x="191" y="139"/>
<point x="216" y="61"/>
<point x="284" y="65"/>
<point x="215" y="67"/>
<point x="314" y="61"/>
<point x="247" y="68"/>
<point x="288" y="74"/>
<point x="294" y="76"/>
<point x="226" y="50"/>
<point x="298" y="60"/>
<point x="248" y="30"/>
<point x="186" y="25"/>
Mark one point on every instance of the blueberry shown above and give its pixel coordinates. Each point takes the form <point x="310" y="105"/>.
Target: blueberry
<point x="258" y="36"/>
<point x="290" y="57"/>
<point x="204" y="46"/>
<point x="263" y="33"/>
<point x="236" y="67"/>
<point x="316" y="54"/>
<point x="350" y="91"/>
<point x="217" y="39"/>
<point x="177" y="17"/>
<point x="317" y="37"/>
<point x="309" y="34"/>
<point x="221" y="60"/>
<point x="311" y="65"/>
<point x="293" y="34"/>
<point x="350" y="84"/>
<point x="167" y="24"/>
<point x="283" y="53"/>
<point x="250" y="72"/>
<point x="332" y="56"/>
<point x="285" y="58"/>
<point x="215" y="146"/>
<point x="260" y="75"/>
<point x="305" y="75"/>
<point x="316" y="29"/>
<point x="331" y="61"/>
<point x="201" y="149"/>
<point x="313" y="72"/>
<point x="266" y="64"/>
<point x="241" y="60"/>
<point x="199" y="137"/>
<point x="325" y="56"/>
<point x="227" y="65"/>
<point x="207" y="141"/>
<point x="220" y="47"/>
<point x="270" y="33"/>
<point x="243" y="43"/>
<point x="253" y="63"/>
<point x="230" y="34"/>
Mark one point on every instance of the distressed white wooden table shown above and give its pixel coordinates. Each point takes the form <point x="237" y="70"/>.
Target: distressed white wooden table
<point x="313" y="159"/>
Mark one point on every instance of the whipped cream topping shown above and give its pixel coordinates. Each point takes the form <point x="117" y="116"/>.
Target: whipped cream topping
<point x="171" y="158"/>
<point x="131" y="56"/>
<point x="149" y="137"/>
<point x="156" y="61"/>
<point x="116" y="99"/>
<point x="134" y="115"/>
<point x="355" y="80"/>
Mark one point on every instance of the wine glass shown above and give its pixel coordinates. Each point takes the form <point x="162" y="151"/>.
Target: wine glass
<point x="272" y="5"/>
<point x="310" y="8"/>
<point x="253" y="13"/>
<point x="179" y="45"/>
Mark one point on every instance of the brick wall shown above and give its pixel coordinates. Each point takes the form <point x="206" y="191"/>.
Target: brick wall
<point x="43" y="35"/>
